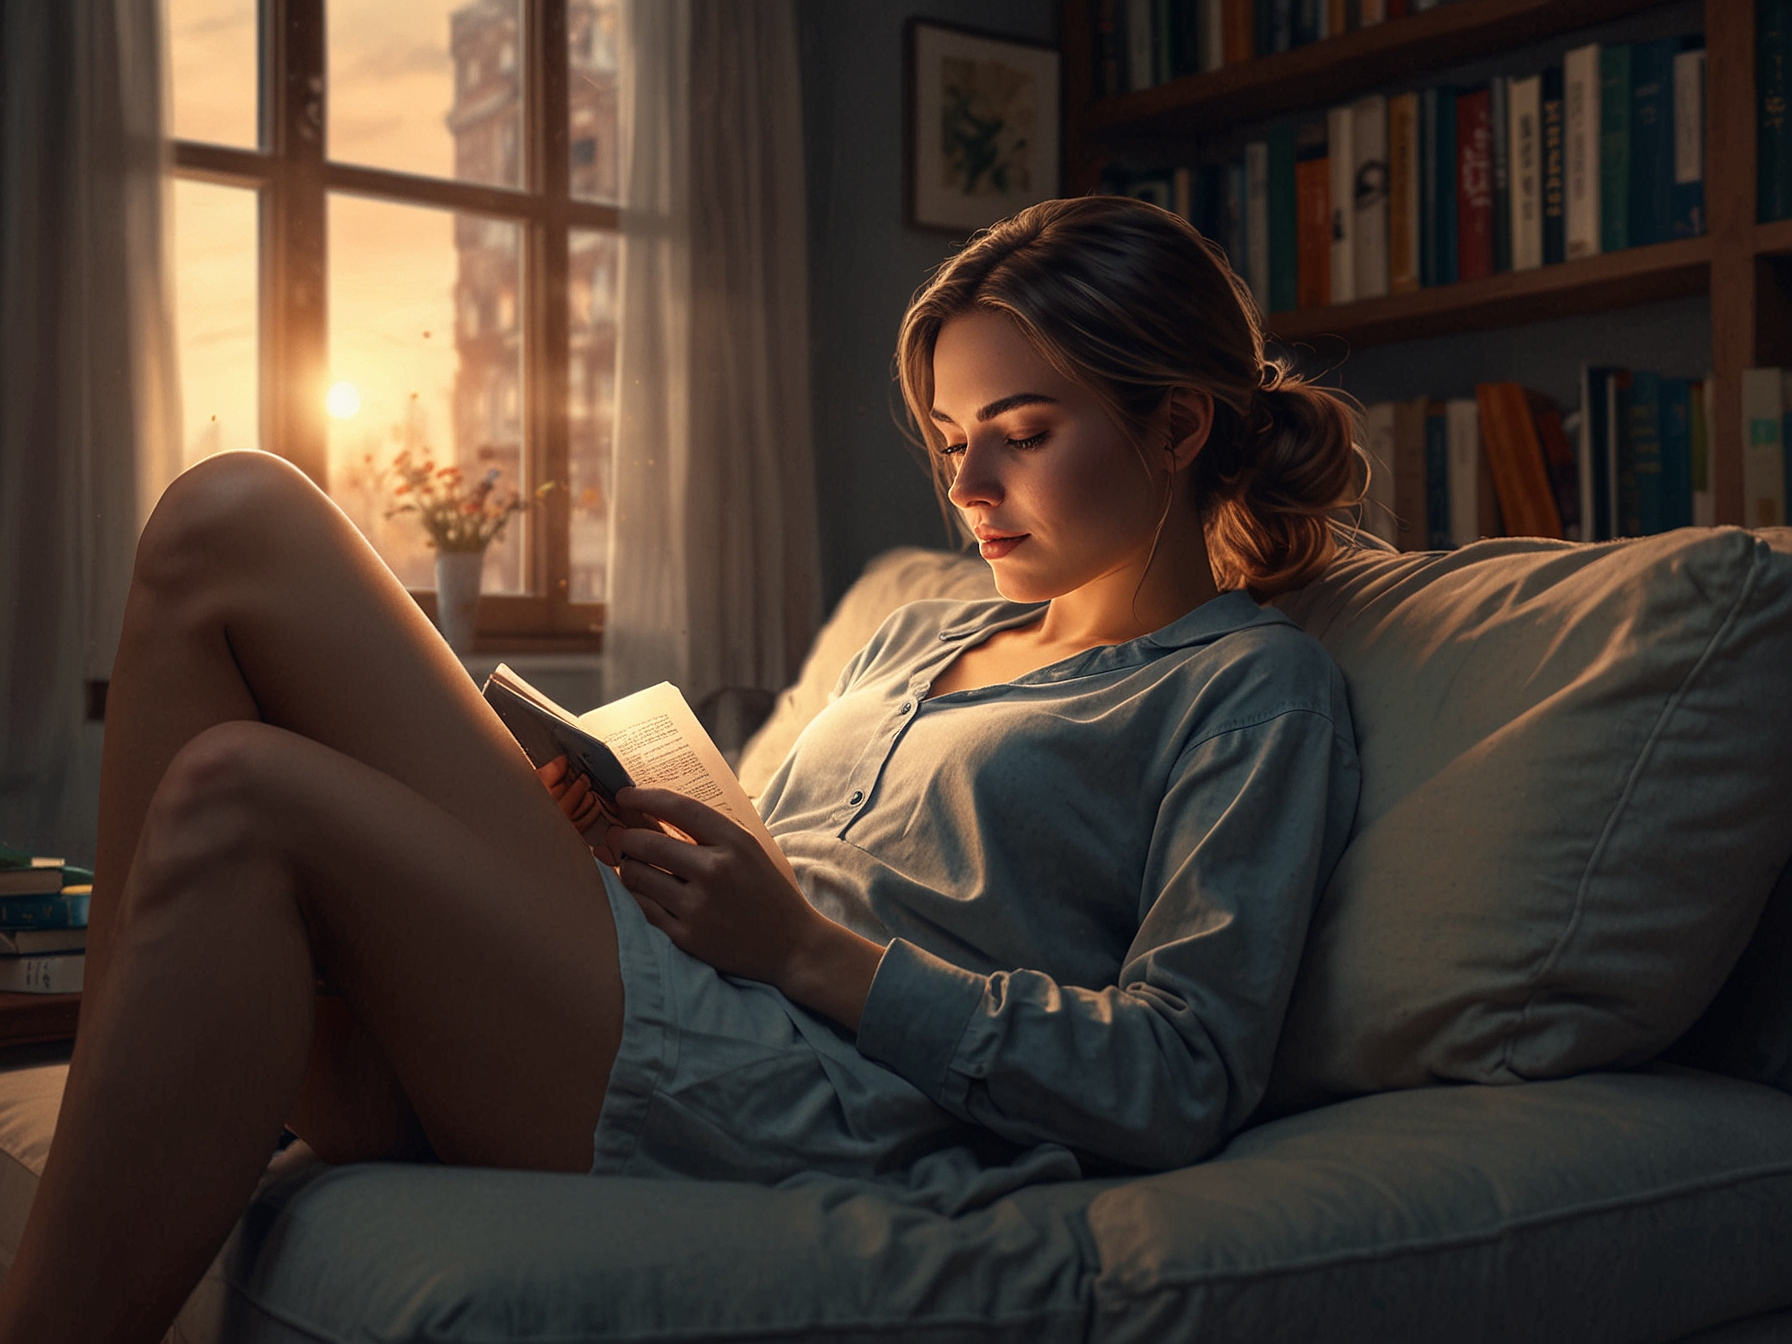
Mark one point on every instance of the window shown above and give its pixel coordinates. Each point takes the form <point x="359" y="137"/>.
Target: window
<point x="389" y="236"/>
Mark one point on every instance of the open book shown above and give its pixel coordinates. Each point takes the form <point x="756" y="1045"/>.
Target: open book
<point x="650" y="738"/>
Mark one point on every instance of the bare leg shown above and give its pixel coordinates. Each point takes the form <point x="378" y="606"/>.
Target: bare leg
<point x="393" y="838"/>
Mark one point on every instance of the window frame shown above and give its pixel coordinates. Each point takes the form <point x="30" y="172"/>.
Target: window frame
<point x="293" y="180"/>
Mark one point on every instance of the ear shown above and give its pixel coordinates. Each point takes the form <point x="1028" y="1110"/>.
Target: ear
<point x="1191" y="421"/>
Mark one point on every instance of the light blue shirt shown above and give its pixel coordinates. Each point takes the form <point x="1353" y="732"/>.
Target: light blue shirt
<point x="1093" y="882"/>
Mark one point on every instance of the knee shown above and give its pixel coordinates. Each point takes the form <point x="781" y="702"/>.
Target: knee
<point x="220" y="515"/>
<point x="213" y="805"/>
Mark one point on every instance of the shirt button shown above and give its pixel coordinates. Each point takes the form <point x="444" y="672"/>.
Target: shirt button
<point x="857" y="797"/>
<point x="907" y="706"/>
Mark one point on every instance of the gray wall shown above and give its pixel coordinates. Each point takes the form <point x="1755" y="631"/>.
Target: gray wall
<point x="865" y="263"/>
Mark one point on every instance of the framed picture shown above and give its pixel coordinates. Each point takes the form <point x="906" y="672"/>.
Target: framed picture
<point x="982" y="126"/>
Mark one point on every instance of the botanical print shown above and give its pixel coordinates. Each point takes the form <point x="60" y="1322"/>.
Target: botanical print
<point x="988" y="111"/>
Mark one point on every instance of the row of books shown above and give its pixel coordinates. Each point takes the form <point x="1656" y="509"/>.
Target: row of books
<point x="1634" y="459"/>
<point x="1391" y="194"/>
<point x="1766" y="446"/>
<point x="43" y="923"/>
<point x="1773" y="92"/>
<point x="1141" y="43"/>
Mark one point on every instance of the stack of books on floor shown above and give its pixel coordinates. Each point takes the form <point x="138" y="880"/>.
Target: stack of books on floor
<point x="43" y="923"/>
<point x="1631" y="461"/>
<point x="1389" y="195"/>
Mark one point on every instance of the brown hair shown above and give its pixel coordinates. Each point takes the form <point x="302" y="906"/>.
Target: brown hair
<point x="1131" y="302"/>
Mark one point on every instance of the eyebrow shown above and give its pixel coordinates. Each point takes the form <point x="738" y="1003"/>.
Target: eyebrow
<point x="995" y="408"/>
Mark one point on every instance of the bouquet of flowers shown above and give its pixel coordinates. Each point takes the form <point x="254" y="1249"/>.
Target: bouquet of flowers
<point x="456" y="518"/>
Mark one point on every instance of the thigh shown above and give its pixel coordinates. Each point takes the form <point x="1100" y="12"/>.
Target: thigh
<point x="351" y="1106"/>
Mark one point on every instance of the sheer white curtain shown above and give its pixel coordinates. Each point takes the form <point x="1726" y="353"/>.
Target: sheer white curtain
<point x="713" y="557"/>
<point x="87" y="399"/>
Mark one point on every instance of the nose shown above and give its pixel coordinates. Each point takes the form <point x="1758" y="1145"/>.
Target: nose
<point x="978" y="482"/>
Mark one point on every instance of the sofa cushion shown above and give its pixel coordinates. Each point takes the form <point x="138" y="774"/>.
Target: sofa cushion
<point x="1577" y="792"/>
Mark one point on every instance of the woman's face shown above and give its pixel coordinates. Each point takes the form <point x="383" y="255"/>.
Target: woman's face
<point x="1055" y="494"/>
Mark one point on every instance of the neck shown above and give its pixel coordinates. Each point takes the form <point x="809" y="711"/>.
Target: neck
<point x="1157" y="586"/>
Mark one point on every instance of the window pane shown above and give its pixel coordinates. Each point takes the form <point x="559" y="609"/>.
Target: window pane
<point x="591" y="405"/>
<point x="591" y="27"/>
<point x="425" y="355"/>
<point x="212" y="60"/>
<point x="215" y="308"/>
<point x="428" y="86"/>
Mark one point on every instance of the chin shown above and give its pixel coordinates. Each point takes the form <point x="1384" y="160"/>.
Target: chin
<point x="1017" y="587"/>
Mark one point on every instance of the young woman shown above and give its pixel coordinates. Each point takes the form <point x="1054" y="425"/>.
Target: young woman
<point x="1057" y="851"/>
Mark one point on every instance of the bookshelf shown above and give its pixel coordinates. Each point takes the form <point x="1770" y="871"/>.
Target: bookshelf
<point x="1744" y="268"/>
<point x="32" y="1019"/>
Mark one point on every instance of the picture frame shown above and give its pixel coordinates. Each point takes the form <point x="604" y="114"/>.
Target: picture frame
<point x="983" y="126"/>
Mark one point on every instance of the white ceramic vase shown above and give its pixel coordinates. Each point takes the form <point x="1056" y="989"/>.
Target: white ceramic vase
<point x="457" y="597"/>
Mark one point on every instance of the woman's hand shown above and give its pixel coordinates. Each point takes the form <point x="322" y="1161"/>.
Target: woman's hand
<point x="719" y="897"/>
<point x="600" y="825"/>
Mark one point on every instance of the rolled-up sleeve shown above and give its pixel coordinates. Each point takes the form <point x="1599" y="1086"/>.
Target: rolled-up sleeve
<point x="1157" y="1070"/>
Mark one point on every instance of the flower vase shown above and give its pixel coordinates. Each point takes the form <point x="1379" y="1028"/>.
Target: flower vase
<point x="457" y="597"/>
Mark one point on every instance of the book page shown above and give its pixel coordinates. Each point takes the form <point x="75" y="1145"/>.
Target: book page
<point x="660" y="743"/>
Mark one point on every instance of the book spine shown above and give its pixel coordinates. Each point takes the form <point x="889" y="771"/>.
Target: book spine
<point x="45" y="912"/>
<point x="1341" y="138"/>
<point x="1558" y="458"/>
<point x="1284" y="233"/>
<point x="1337" y="18"/>
<point x="1381" y="501"/>
<point x="1595" y="452"/>
<point x="1446" y="186"/>
<point x="1623" y="479"/>
<point x="1403" y="193"/>
<point x="1474" y="186"/>
<point x="1399" y="9"/>
<point x="1437" y="477"/>
<point x="1164" y="14"/>
<point x="1704" y="502"/>
<point x="1763" y="457"/>
<point x="1369" y="196"/>
<point x="1525" y="98"/>
<point x="1256" y="168"/>
<point x="43" y="975"/>
<point x="1182" y="193"/>
<point x="1211" y="46"/>
<point x="1312" y="189"/>
<point x="1309" y="21"/>
<point x="1651" y="140"/>
<point x="1374" y="12"/>
<point x="1428" y="187"/>
<point x="1281" y="24"/>
<point x="1642" y="435"/>
<point x="1773" y="89"/>
<point x="1580" y="79"/>
<point x="1108" y="52"/>
<point x="1688" y="210"/>
<point x="1676" y="453"/>
<point x="1462" y="432"/>
<point x="1236" y="218"/>
<point x="1521" y="477"/>
<point x="1555" y="163"/>
<point x="1238" y="19"/>
<point x="1140" y="28"/>
<point x="1410" y="488"/>
<point x="1614" y="148"/>
<point x="1500" y="123"/>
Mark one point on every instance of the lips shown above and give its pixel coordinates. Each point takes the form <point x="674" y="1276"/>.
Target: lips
<point x="994" y="545"/>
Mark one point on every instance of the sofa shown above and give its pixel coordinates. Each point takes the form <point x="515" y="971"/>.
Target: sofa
<point x="1534" y="1084"/>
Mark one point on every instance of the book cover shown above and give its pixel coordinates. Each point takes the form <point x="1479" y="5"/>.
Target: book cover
<point x="1256" y="213"/>
<point x="1109" y="54"/>
<point x="64" y="910"/>
<point x="1313" y="207"/>
<point x="1596" y="451"/>
<point x="1639" y="457"/>
<point x="1309" y="21"/>
<point x="1380" y="507"/>
<point x="1210" y="20"/>
<point x="1182" y="192"/>
<point x="37" y="942"/>
<point x="1560" y="461"/>
<point x="1462" y="450"/>
<point x="1773" y="89"/>
<point x="1686" y="217"/>
<point x="1238" y="20"/>
<point x="1140" y="29"/>
<point x="1676" y="453"/>
<point x="1437" y="477"/>
<point x="1237" y="217"/>
<point x="30" y="881"/>
<point x="1763" y="456"/>
<point x="1524" y="108"/>
<point x="1474" y="185"/>
<point x="1555" y="168"/>
<point x="1403" y="193"/>
<point x="1341" y="137"/>
<point x="1410" y="488"/>
<point x="1580" y="99"/>
<point x="1515" y="456"/>
<point x="1651" y="139"/>
<point x="1182" y="28"/>
<point x="1429" y="186"/>
<point x="1284" y="246"/>
<point x="1369" y="196"/>
<point x="1614" y="147"/>
<point x="1704" y="502"/>
<point x="1280" y="18"/>
<point x="1500" y="124"/>
<point x="60" y="974"/>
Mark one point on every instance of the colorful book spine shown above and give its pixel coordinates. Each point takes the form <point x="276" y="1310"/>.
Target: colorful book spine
<point x="1773" y="91"/>
<point x="60" y="974"/>
<point x="1474" y="185"/>
<point x="1651" y="140"/>
<point x="1341" y="159"/>
<point x="1524" y="107"/>
<point x="1238" y="20"/>
<point x="1501" y="152"/>
<point x="1256" y="171"/>
<point x="1639" y="461"/>
<point x="1284" y="246"/>
<point x="1210" y="20"/>
<point x="1763" y="454"/>
<point x="66" y="910"/>
<point x="1369" y="196"/>
<point x="1555" y="168"/>
<point x="1614" y="148"/>
<point x="1313" y="215"/>
<point x="1687" y="210"/>
<point x="1580" y="99"/>
<point x="1437" y="477"/>
<point x="1559" y="460"/>
<point x="1403" y="193"/>
<point x="1515" y="455"/>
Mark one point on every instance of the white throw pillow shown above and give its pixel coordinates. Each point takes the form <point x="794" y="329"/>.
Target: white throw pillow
<point x="1577" y="792"/>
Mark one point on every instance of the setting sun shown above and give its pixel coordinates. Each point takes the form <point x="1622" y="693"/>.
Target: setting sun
<point x="343" y="401"/>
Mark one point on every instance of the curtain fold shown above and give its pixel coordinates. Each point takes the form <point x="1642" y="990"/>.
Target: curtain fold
<point x="714" y="570"/>
<point x="88" y="403"/>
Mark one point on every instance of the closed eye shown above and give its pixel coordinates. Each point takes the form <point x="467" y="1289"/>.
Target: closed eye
<point x="1032" y="441"/>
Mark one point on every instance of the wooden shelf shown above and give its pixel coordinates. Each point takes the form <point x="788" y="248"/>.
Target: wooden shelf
<point x="1613" y="280"/>
<point x="28" y="1019"/>
<point x="1775" y="239"/>
<point x="1339" y="68"/>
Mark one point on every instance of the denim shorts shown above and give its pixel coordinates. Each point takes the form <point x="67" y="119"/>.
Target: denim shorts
<point x="719" y="1078"/>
